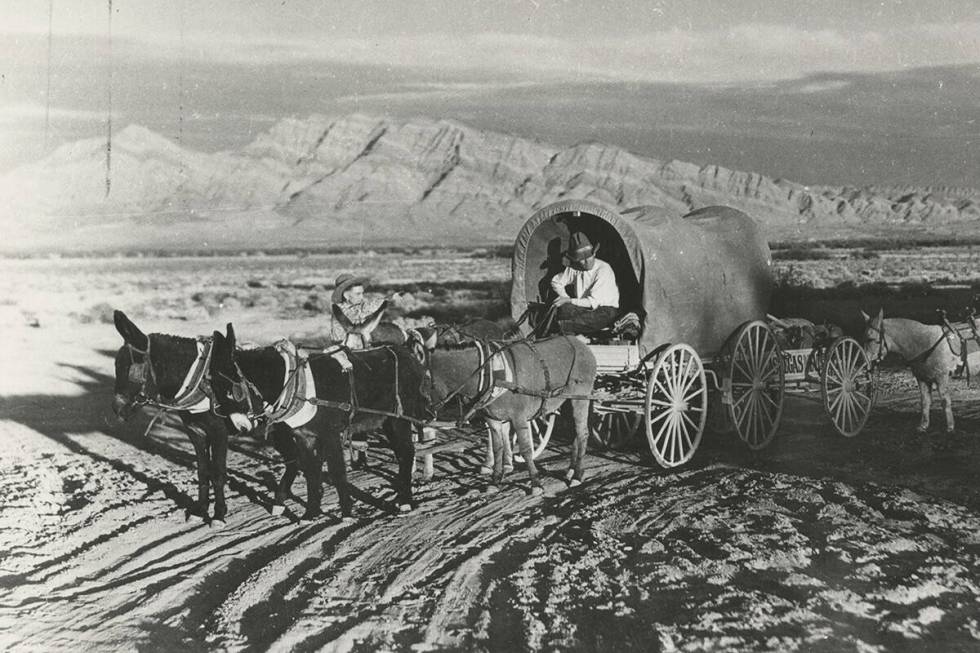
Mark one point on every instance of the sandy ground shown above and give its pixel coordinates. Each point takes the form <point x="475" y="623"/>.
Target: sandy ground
<point x="820" y="543"/>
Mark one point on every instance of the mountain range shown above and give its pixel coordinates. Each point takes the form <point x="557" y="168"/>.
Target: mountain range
<point x="360" y="179"/>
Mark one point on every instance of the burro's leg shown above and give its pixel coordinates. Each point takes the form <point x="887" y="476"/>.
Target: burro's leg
<point x="508" y="452"/>
<point x="498" y="431"/>
<point x="526" y="448"/>
<point x="200" y="441"/>
<point x="333" y="453"/>
<point x="488" y="458"/>
<point x="309" y="461"/>
<point x="218" y="438"/>
<point x="925" y="397"/>
<point x="508" y="461"/>
<point x="576" y="464"/>
<point x="945" y="395"/>
<point x="404" y="448"/>
<point x="284" y="443"/>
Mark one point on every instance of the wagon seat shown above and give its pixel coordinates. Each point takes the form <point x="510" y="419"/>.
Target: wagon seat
<point x="539" y="256"/>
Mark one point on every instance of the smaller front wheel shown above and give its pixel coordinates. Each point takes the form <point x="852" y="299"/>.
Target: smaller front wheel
<point x="676" y="405"/>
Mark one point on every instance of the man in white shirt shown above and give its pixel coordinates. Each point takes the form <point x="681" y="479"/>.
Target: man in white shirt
<point x="593" y="303"/>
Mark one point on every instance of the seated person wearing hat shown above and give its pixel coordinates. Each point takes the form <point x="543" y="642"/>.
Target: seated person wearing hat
<point x="594" y="301"/>
<point x="354" y="315"/>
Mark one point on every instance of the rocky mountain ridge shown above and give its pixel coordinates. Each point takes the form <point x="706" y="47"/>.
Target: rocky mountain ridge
<point x="365" y="179"/>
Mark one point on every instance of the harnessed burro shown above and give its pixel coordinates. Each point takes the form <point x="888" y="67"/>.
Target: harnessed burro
<point x="297" y="403"/>
<point x="495" y="372"/>
<point x="511" y="384"/>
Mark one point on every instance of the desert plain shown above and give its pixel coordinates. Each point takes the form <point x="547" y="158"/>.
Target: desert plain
<point x="816" y="543"/>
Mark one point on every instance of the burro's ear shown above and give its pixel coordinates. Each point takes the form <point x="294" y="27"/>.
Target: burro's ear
<point x="129" y="331"/>
<point x="865" y="317"/>
<point x="881" y="315"/>
<point x="230" y="335"/>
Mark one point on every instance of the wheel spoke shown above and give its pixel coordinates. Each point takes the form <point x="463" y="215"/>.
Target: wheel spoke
<point x="833" y="404"/>
<point x="772" y="365"/>
<point x="850" y="414"/>
<point x="659" y="416"/>
<point x="769" y="417"/>
<point x="838" y="408"/>
<point x="741" y="368"/>
<point x="773" y="402"/>
<point x="687" y="438"/>
<point x="741" y="398"/>
<point x="694" y="378"/>
<point x="697" y="392"/>
<point x="690" y="421"/>
<point x="861" y="395"/>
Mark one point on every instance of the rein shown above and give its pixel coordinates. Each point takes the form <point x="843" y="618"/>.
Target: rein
<point x="243" y="390"/>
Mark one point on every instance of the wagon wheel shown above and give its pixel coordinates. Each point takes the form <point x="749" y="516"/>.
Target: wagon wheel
<point x="612" y="428"/>
<point x="541" y="429"/>
<point x="754" y="391"/>
<point x="676" y="405"/>
<point x="847" y="385"/>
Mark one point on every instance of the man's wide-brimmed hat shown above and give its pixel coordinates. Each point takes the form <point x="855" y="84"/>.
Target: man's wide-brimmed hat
<point x="580" y="247"/>
<point x="344" y="282"/>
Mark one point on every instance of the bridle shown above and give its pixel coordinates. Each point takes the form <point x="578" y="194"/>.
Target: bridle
<point x="144" y="374"/>
<point x="242" y="391"/>
<point x="882" y="342"/>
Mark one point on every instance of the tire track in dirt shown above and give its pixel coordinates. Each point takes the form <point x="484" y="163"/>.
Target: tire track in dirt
<point x="96" y="552"/>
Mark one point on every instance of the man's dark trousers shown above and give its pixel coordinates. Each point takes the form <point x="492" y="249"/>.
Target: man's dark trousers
<point x="574" y="319"/>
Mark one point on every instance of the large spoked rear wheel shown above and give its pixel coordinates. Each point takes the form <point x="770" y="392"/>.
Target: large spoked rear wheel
<point x="676" y="405"/>
<point x="541" y="429"/>
<point x="847" y="385"/>
<point x="754" y="391"/>
<point x="612" y="428"/>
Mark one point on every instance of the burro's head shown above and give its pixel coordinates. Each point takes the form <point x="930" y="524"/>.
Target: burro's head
<point x="874" y="339"/>
<point x="232" y="394"/>
<point x="133" y="372"/>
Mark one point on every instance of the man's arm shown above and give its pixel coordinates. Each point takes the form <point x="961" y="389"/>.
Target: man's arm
<point x="559" y="281"/>
<point x="602" y="292"/>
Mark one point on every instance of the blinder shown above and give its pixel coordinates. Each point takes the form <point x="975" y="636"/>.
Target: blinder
<point x="138" y="372"/>
<point x="239" y="392"/>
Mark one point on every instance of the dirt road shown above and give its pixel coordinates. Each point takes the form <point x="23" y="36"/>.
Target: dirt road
<point x="819" y="544"/>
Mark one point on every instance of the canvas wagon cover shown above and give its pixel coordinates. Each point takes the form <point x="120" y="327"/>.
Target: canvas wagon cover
<point x="693" y="278"/>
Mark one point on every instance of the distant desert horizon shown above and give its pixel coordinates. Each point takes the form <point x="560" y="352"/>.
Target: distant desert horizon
<point x="361" y="180"/>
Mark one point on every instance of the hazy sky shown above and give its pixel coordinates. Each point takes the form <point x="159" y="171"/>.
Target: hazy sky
<point x="213" y="74"/>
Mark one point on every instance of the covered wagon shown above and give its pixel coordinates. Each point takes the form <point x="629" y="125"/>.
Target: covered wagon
<point x="698" y="286"/>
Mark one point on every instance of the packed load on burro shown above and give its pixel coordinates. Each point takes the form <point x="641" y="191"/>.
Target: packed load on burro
<point x="690" y="335"/>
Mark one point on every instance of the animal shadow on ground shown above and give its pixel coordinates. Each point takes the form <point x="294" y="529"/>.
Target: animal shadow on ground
<point x="64" y="419"/>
